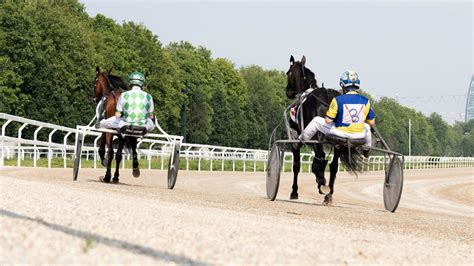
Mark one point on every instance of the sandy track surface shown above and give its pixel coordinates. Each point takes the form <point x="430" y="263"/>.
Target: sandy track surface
<point x="225" y="218"/>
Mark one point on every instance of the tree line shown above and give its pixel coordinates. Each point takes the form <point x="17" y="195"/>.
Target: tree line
<point x="49" y="51"/>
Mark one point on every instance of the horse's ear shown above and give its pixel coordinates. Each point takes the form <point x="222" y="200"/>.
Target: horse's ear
<point x="303" y="60"/>
<point x="292" y="60"/>
<point x="97" y="70"/>
<point x="110" y="71"/>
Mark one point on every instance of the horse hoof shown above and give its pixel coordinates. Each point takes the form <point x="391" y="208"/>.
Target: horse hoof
<point x="104" y="179"/>
<point x="294" y="196"/>
<point x="324" y="190"/>
<point x="115" y="180"/>
<point x="136" y="172"/>
<point x="327" y="200"/>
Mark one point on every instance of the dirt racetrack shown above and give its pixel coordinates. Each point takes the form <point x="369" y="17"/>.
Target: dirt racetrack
<point x="225" y="218"/>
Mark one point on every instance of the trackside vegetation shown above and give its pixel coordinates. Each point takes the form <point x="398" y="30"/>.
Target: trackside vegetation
<point x="49" y="51"/>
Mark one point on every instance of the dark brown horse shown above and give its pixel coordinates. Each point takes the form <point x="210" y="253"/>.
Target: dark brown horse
<point x="300" y="79"/>
<point x="107" y="91"/>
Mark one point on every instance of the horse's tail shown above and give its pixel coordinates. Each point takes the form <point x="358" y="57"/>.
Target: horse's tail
<point x="128" y="145"/>
<point x="353" y="163"/>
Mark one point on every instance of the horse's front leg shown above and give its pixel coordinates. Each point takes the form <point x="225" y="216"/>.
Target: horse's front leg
<point x="296" y="170"/>
<point x="103" y="140"/>
<point x="333" y="167"/>
<point x="108" y="159"/>
<point x="118" y="159"/>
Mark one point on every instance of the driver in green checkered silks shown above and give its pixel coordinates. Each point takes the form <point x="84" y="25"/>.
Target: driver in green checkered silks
<point x="134" y="107"/>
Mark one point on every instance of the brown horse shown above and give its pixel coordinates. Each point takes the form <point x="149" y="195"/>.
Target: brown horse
<point x="107" y="91"/>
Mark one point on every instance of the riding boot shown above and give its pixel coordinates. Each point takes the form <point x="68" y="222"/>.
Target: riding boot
<point x="100" y="115"/>
<point x="294" y="136"/>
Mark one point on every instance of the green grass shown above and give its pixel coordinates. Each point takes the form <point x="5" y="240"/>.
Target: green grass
<point x="155" y="164"/>
<point x="88" y="244"/>
<point x="206" y="164"/>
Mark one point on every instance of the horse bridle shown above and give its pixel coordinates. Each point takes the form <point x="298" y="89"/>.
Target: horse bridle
<point x="110" y="88"/>
<point x="316" y="97"/>
<point x="304" y="80"/>
<point x="103" y="101"/>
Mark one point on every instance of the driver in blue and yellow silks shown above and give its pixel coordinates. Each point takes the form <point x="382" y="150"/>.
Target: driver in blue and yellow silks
<point x="349" y="115"/>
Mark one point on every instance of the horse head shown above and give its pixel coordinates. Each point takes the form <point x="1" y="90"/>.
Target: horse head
<point x="299" y="77"/>
<point x="102" y="84"/>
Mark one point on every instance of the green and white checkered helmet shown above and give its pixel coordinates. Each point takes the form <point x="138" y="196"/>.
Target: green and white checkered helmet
<point x="136" y="78"/>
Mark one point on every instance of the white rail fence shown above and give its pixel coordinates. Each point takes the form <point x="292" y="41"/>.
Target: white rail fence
<point x="59" y="146"/>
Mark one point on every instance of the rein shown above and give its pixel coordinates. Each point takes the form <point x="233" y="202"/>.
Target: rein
<point x="321" y="101"/>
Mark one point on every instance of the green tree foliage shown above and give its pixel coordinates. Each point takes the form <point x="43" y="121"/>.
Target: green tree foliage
<point x="265" y="105"/>
<point x="229" y="100"/>
<point x="464" y="133"/>
<point x="50" y="49"/>
<point x="393" y="125"/>
<point x="442" y="132"/>
<point x="195" y="66"/>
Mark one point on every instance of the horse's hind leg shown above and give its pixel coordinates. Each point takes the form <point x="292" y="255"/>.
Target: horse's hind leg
<point x="118" y="159"/>
<point x="318" y="167"/>
<point x="333" y="167"/>
<point x="109" y="155"/>
<point x="102" y="149"/>
<point x="296" y="170"/>
<point x="133" y="144"/>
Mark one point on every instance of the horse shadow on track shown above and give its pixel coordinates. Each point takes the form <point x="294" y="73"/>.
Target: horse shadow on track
<point x="118" y="184"/>
<point x="349" y="206"/>
<point x="115" y="243"/>
<point x="341" y="205"/>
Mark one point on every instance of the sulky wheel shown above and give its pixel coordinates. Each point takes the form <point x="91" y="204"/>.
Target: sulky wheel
<point x="275" y="162"/>
<point x="75" y="169"/>
<point x="393" y="185"/>
<point x="77" y="155"/>
<point x="173" y="166"/>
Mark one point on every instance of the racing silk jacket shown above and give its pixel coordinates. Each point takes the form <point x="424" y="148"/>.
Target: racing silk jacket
<point x="350" y="111"/>
<point x="135" y="106"/>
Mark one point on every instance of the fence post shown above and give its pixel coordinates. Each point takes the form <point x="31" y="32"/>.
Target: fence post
<point x="35" y="138"/>
<point x="50" y="139"/>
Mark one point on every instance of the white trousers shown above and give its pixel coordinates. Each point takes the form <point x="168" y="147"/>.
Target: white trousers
<point x="319" y="124"/>
<point x="114" y="122"/>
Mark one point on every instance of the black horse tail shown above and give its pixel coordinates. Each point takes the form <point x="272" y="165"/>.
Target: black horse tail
<point x="126" y="141"/>
<point x="353" y="163"/>
<point x="128" y="145"/>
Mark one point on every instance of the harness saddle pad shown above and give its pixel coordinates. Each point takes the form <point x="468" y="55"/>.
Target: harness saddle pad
<point x="343" y="141"/>
<point x="133" y="130"/>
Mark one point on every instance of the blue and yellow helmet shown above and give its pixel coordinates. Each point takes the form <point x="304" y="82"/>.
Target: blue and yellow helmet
<point x="349" y="79"/>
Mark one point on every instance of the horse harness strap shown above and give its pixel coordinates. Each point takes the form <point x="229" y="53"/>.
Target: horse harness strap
<point x="103" y="103"/>
<point x="321" y="101"/>
<point x="303" y="97"/>
<point x="299" y="111"/>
